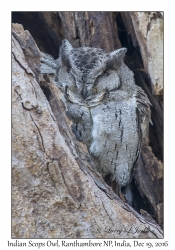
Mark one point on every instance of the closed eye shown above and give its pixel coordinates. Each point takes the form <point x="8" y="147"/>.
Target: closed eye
<point x="72" y="74"/>
<point x="108" y="80"/>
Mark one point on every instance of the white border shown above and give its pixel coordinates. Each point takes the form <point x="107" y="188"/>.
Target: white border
<point x="5" y="98"/>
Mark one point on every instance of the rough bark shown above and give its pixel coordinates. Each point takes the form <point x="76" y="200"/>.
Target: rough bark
<point x="148" y="27"/>
<point x="138" y="31"/>
<point x="56" y="190"/>
<point x="63" y="195"/>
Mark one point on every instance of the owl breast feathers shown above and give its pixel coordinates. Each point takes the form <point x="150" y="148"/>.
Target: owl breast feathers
<point x="110" y="113"/>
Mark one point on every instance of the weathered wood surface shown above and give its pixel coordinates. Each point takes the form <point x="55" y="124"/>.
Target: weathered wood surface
<point x="56" y="192"/>
<point x="148" y="28"/>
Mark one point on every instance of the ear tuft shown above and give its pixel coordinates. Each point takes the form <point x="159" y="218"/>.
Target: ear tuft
<point x="65" y="50"/>
<point x="116" y="56"/>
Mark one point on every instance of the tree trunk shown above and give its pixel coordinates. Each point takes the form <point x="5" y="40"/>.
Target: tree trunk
<point x="56" y="190"/>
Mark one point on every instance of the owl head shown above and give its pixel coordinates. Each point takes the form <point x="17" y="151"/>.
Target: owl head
<point x="87" y="63"/>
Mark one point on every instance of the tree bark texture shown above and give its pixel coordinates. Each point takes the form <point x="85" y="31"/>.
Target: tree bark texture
<point x="56" y="190"/>
<point x="140" y="32"/>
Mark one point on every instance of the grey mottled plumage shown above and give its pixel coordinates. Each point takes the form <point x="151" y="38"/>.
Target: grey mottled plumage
<point x="110" y="113"/>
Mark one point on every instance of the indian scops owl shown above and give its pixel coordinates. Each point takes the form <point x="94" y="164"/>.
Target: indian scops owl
<point x="110" y="113"/>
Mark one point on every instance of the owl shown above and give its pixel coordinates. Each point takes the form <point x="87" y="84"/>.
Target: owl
<point x="110" y="114"/>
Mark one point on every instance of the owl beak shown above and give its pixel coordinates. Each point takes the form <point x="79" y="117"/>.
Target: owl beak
<point x="84" y="92"/>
